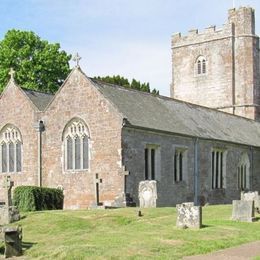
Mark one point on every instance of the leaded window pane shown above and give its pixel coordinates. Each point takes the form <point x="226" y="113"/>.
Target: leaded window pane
<point x="69" y="154"/>
<point x="146" y="170"/>
<point x="203" y="66"/>
<point x="152" y="164"/>
<point x="77" y="147"/>
<point x="18" y="157"/>
<point x="180" y="167"/>
<point x="77" y="153"/>
<point x="4" y="157"/>
<point x="199" y="67"/>
<point x="11" y="157"/>
<point x="85" y="152"/>
<point x="175" y="167"/>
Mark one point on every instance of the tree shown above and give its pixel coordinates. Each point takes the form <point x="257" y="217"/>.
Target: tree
<point x="38" y="64"/>
<point x="121" y="81"/>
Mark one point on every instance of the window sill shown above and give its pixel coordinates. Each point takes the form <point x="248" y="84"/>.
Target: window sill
<point x="200" y="75"/>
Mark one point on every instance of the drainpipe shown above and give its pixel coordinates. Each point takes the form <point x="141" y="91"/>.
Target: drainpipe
<point x="251" y="167"/>
<point x="40" y="128"/>
<point x="196" y="174"/>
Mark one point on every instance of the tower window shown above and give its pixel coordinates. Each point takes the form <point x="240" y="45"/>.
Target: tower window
<point x="201" y="66"/>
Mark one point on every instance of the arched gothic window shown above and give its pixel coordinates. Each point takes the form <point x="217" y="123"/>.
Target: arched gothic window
<point x="201" y="66"/>
<point x="76" y="144"/>
<point x="243" y="173"/>
<point x="10" y="150"/>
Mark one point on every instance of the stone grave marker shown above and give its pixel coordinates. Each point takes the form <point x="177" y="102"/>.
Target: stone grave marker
<point x="188" y="215"/>
<point x="147" y="194"/>
<point x="252" y="195"/>
<point x="243" y="210"/>
<point x="8" y="213"/>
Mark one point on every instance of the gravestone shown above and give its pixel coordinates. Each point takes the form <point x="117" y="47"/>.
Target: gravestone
<point x="8" y="213"/>
<point x="147" y="194"/>
<point x="252" y="195"/>
<point x="243" y="210"/>
<point x="98" y="182"/>
<point x="188" y="215"/>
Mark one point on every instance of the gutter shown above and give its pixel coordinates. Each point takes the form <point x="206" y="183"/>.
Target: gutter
<point x="39" y="128"/>
<point x="196" y="174"/>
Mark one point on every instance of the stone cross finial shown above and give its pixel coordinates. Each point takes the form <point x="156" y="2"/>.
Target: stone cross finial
<point x="11" y="73"/>
<point x="7" y="185"/>
<point x="77" y="58"/>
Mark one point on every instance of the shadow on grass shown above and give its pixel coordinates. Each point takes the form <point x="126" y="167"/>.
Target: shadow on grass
<point x="257" y="219"/>
<point x="206" y="226"/>
<point x="27" y="245"/>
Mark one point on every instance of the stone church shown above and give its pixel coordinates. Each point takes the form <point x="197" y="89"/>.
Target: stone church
<point x="97" y="141"/>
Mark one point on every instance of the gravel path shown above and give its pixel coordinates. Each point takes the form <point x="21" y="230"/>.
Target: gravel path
<point x="243" y="252"/>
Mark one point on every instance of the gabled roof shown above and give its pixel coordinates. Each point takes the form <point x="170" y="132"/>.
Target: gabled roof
<point x="39" y="99"/>
<point x="173" y="116"/>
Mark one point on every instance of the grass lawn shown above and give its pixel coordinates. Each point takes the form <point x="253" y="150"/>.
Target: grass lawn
<point x="120" y="234"/>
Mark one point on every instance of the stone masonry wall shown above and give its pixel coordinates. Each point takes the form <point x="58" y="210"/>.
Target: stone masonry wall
<point x="16" y="109"/>
<point x="79" y="99"/>
<point x="232" y="61"/>
<point x="170" y="193"/>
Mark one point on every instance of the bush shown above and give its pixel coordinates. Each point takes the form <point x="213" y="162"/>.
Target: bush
<point x="32" y="198"/>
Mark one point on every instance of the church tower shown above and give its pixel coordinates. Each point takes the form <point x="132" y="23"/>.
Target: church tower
<point x="219" y="68"/>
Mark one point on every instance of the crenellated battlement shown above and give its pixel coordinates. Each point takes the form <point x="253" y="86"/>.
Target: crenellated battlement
<point x="242" y="19"/>
<point x="195" y="36"/>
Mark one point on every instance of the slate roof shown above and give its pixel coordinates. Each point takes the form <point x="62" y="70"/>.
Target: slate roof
<point x="169" y="115"/>
<point x="39" y="99"/>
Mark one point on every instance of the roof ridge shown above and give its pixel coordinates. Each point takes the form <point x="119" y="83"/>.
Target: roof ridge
<point x="38" y="91"/>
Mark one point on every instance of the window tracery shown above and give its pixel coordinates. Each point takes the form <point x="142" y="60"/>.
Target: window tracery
<point x="76" y="140"/>
<point x="243" y="172"/>
<point x="10" y="149"/>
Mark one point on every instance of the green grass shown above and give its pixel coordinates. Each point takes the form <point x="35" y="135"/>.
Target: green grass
<point x="120" y="234"/>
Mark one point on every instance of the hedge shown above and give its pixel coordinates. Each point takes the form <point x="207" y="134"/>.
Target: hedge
<point x="32" y="198"/>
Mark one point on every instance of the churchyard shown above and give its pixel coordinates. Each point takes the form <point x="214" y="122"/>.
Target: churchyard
<point x="120" y="233"/>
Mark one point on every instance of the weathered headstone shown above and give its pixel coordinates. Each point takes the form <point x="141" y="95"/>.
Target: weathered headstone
<point x="147" y="194"/>
<point x="188" y="215"/>
<point x="251" y="195"/>
<point x="243" y="210"/>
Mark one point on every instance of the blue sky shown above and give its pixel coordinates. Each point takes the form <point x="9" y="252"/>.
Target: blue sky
<point x="131" y="38"/>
